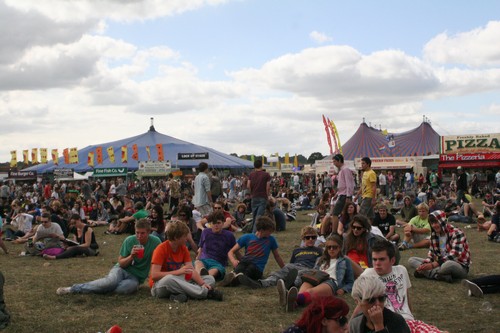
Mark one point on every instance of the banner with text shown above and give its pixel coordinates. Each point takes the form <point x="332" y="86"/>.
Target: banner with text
<point x="470" y="143"/>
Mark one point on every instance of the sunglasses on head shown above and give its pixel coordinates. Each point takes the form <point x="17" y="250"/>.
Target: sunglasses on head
<point x="354" y="227"/>
<point x="310" y="237"/>
<point x="372" y="300"/>
<point x="332" y="247"/>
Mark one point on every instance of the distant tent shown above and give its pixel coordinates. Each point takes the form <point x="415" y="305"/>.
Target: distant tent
<point x="372" y="142"/>
<point x="172" y="147"/>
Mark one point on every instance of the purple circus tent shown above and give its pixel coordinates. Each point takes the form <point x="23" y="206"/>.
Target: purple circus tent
<point x="371" y="142"/>
<point x="171" y="148"/>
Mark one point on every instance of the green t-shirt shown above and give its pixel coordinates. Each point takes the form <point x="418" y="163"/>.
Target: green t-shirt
<point x="420" y="223"/>
<point x="140" y="267"/>
<point x="140" y="214"/>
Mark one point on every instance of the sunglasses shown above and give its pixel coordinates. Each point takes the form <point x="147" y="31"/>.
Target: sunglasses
<point x="310" y="237"/>
<point x="372" y="300"/>
<point x="357" y="228"/>
<point x="341" y="320"/>
<point x="332" y="247"/>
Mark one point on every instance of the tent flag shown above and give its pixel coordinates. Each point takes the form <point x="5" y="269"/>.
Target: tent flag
<point x="13" y="158"/>
<point x="287" y="158"/>
<point x="124" y="154"/>
<point x="159" y="149"/>
<point x="43" y="155"/>
<point x="384" y="132"/>
<point x="90" y="159"/>
<point x="135" y="152"/>
<point x="25" y="156"/>
<point x="66" y="155"/>
<point x="327" y="135"/>
<point x="149" y="153"/>
<point x="337" y="138"/>
<point x="295" y="161"/>
<point x="98" y="152"/>
<point x="381" y="148"/>
<point x="111" y="154"/>
<point x="335" y="145"/>
<point x="55" y="156"/>
<point x="34" y="155"/>
<point x="73" y="156"/>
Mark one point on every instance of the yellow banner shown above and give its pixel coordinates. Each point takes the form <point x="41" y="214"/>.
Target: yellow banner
<point x="111" y="154"/>
<point x="55" y="156"/>
<point x="73" y="156"/>
<point x="13" y="158"/>
<point x="124" y="154"/>
<point x="90" y="159"/>
<point x="34" y="155"/>
<point x="43" y="155"/>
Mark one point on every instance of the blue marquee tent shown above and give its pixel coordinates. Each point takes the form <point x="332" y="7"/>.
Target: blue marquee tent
<point x="172" y="147"/>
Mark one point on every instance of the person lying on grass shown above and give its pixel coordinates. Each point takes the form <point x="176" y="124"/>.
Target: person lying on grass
<point x="84" y="235"/>
<point x="172" y="273"/>
<point x="257" y="246"/>
<point x="338" y="268"/>
<point x="215" y="243"/>
<point x="131" y="270"/>
<point x="303" y="258"/>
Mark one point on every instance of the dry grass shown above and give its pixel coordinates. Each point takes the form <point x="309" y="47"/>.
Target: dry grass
<point x="34" y="306"/>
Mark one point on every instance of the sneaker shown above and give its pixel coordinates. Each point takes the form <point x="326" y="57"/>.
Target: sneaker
<point x="446" y="278"/>
<point x="179" y="298"/>
<point x="291" y="299"/>
<point x="403" y="246"/>
<point x="228" y="280"/>
<point x="215" y="295"/>
<point x="203" y="271"/>
<point x="63" y="290"/>
<point x="246" y="281"/>
<point x="418" y="274"/>
<point x="290" y="278"/>
<point x="282" y="291"/>
<point x="474" y="289"/>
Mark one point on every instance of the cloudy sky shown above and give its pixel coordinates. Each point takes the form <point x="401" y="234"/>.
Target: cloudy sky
<point x="243" y="76"/>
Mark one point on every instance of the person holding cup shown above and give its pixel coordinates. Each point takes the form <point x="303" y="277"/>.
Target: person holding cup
<point x="172" y="273"/>
<point x="131" y="270"/>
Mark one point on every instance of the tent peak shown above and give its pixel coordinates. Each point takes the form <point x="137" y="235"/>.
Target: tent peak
<point x="152" y="127"/>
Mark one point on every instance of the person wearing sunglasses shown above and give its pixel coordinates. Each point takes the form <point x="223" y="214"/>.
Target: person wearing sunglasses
<point x="369" y="294"/>
<point x="325" y="314"/>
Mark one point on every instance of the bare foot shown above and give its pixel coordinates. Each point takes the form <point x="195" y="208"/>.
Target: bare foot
<point x="48" y="257"/>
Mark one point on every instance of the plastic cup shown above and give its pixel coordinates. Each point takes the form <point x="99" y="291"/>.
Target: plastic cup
<point x="139" y="251"/>
<point x="188" y="276"/>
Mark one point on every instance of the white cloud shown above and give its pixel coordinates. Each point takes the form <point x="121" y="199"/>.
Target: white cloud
<point x="320" y="37"/>
<point x="476" y="48"/>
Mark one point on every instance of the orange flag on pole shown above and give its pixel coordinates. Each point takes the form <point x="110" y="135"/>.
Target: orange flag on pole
<point x="124" y="154"/>
<point x="66" y="155"/>
<point x="43" y="155"/>
<point x="25" y="156"/>
<point x="135" y="152"/>
<point x="55" y="156"/>
<point x="98" y="152"/>
<point x="34" y="155"/>
<point x="90" y="159"/>
<point x="159" y="149"/>
<point x="13" y="158"/>
<point x="111" y="154"/>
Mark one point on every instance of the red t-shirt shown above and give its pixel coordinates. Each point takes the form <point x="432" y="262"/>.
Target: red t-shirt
<point x="169" y="260"/>
<point x="258" y="183"/>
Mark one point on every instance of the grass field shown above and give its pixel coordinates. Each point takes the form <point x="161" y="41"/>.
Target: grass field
<point x="31" y="283"/>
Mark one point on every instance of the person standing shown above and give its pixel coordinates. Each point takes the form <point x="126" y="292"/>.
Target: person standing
<point x="215" y="186"/>
<point x="259" y="183"/>
<point x="461" y="186"/>
<point x="368" y="190"/>
<point x="202" y="199"/>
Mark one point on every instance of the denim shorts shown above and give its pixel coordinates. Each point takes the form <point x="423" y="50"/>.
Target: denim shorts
<point x="211" y="263"/>
<point x="332" y="284"/>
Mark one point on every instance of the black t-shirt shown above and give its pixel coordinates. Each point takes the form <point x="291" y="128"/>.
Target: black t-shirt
<point x="384" y="224"/>
<point x="306" y="256"/>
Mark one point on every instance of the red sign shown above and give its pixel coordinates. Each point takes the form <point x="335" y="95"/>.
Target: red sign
<point x="469" y="157"/>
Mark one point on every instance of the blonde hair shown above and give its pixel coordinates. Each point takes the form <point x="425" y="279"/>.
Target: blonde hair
<point x="308" y="230"/>
<point x="423" y="205"/>
<point x="366" y="287"/>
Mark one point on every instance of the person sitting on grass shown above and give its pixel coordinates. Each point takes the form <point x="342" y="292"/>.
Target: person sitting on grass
<point x="489" y="284"/>
<point x="257" y="246"/>
<point x="349" y="211"/>
<point x="2" y="244"/>
<point x="325" y="314"/>
<point x="131" y="270"/>
<point x="215" y="243"/>
<point x="318" y="216"/>
<point x="229" y="220"/>
<point x="492" y="227"/>
<point x="185" y="215"/>
<point x="369" y="294"/>
<point x="126" y="224"/>
<point x="336" y="265"/>
<point x="100" y="214"/>
<point x="172" y="273"/>
<point x="84" y="235"/>
<point x="397" y="283"/>
<point x="448" y="257"/>
<point x="239" y="215"/>
<point x="48" y="235"/>
<point x="386" y="223"/>
<point x="407" y="212"/>
<point x="416" y="232"/>
<point x="357" y="244"/>
<point x="303" y="258"/>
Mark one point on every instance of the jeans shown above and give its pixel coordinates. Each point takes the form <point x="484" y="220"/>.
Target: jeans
<point x="273" y="278"/>
<point x="249" y="269"/>
<point x="489" y="284"/>
<point x="451" y="268"/>
<point x="118" y="280"/>
<point x="258" y="208"/>
<point x="174" y="285"/>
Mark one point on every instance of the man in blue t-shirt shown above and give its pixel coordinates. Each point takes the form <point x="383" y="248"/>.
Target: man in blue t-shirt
<point x="257" y="246"/>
